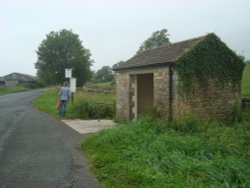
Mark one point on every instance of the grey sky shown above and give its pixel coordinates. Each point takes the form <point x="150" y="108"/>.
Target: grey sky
<point x="113" y="29"/>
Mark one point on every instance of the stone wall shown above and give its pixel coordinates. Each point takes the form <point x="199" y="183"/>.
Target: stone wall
<point x="215" y="102"/>
<point x="122" y="96"/>
<point x="132" y="97"/>
<point x="161" y="91"/>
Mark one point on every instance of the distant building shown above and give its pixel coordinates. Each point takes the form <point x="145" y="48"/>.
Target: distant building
<point x="16" y="78"/>
<point x="2" y="82"/>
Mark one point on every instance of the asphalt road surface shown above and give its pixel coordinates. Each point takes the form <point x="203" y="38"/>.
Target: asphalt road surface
<point x="37" y="150"/>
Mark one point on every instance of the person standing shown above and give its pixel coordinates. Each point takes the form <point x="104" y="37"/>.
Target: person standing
<point x="64" y="95"/>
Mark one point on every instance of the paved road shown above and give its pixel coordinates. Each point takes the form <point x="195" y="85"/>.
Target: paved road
<point x="37" y="150"/>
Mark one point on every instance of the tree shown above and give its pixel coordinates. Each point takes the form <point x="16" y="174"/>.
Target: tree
<point x="104" y="74"/>
<point x="242" y="57"/>
<point x="157" y="39"/>
<point x="61" y="50"/>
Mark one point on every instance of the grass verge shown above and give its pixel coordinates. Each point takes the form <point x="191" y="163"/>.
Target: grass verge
<point x="85" y="106"/>
<point x="13" y="89"/>
<point x="184" y="153"/>
<point x="245" y="86"/>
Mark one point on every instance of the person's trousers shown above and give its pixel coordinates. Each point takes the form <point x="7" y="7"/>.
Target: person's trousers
<point x="62" y="107"/>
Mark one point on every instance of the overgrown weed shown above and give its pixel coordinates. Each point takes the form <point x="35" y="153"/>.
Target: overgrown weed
<point x="184" y="153"/>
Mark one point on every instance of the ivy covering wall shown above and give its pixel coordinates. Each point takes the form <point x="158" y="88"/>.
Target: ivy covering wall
<point x="209" y="59"/>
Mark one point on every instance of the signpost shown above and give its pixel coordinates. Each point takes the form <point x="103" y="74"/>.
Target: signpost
<point x="68" y="73"/>
<point x="72" y="85"/>
<point x="72" y="82"/>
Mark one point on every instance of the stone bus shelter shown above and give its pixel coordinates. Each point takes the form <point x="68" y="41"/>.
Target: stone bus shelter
<point x="150" y="81"/>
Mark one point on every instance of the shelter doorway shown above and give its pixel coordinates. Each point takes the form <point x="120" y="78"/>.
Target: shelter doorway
<point x="145" y="93"/>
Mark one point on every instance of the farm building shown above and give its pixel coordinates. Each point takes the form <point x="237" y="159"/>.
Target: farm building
<point x="2" y="82"/>
<point x="200" y="76"/>
<point x="17" y="78"/>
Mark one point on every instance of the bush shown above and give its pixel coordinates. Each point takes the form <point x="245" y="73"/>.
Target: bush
<point x="100" y="110"/>
<point x="90" y="110"/>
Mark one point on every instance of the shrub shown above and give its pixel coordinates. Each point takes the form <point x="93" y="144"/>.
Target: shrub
<point x="91" y="106"/>
<point x="99" y="110"/>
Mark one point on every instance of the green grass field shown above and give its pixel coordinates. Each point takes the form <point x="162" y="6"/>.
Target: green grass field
<point x="245" y="87"/>
<point x="156" y="153"/>
<point x="12" y="89"/>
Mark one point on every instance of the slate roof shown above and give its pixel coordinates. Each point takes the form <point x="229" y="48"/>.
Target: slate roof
<point x="159" y="56"/>
<point x="19" y="77"/>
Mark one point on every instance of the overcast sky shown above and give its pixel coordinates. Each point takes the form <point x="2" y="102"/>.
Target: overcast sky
<point x="114" y="29"/>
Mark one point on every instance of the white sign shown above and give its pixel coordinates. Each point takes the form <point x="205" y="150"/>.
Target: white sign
<point x="73" y="85"/>
<point x="68" y="73"/>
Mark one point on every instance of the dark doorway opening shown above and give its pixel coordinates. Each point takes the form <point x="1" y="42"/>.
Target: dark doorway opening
<point x="145" y="93"/>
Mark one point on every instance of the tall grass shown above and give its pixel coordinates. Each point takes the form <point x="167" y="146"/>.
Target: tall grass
<point x="92" y="106"/>
<point x="184" y="153"/>
<point x="245" y="86"/>
<point x="85" y="105"/>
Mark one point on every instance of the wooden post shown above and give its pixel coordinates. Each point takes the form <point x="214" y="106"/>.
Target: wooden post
<point x="72" y="97"/>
